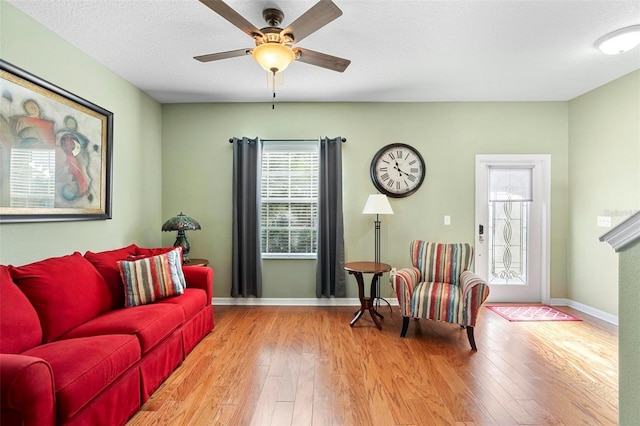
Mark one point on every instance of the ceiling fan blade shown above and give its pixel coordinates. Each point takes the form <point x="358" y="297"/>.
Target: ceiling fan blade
<point x="224" y="10"/>
<point x="313" y="19"/>
<point x="322" y="60"/>
<point x="222" y="55"/>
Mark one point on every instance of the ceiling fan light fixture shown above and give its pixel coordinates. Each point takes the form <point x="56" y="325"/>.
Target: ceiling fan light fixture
<point x="273" y="57"/>
<point x="619" y="41"/>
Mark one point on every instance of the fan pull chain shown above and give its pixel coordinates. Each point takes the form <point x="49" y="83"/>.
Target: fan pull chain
<point x="273" y="86"/>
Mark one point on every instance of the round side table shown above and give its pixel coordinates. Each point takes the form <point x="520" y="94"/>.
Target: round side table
<point x="366" y="302"/>
<point x="196" y="262"/>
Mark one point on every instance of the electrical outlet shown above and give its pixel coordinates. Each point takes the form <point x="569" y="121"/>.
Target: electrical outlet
<point x="447" y="220"/>
<point x="603" y="221"/>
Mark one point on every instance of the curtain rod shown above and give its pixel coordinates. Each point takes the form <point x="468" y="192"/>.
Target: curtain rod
<point x="344" y="140"/>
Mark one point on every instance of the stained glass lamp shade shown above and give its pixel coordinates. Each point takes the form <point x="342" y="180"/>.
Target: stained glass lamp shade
<point x="181" y="223"/>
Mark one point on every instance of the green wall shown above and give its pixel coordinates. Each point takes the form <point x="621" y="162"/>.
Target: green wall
<point x="197" y="168"/>
<point x="604" y="174"/>
<point x="137" y="176"/>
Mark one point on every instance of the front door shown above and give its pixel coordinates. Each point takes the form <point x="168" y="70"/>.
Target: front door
<point x="512" y="226"/>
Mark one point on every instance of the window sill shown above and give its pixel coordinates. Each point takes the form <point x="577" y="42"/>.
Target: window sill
<point x="288" y="256"/>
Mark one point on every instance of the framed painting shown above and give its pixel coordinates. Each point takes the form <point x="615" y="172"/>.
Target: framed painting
<point x="55" y="152"/>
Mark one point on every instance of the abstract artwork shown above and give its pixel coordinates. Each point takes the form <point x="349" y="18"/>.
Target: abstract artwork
<point x="55" y="152"/>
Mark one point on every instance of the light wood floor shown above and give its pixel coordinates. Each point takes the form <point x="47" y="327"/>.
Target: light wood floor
<point x="306" y="366"/>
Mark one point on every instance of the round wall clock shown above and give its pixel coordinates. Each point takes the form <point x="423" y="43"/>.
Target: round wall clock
<point x="397" y="170"/>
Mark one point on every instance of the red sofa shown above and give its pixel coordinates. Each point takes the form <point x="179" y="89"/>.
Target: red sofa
<point x="70" y="351"/>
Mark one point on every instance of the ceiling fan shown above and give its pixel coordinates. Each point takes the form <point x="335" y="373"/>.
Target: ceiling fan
<point x="275" y="49"/>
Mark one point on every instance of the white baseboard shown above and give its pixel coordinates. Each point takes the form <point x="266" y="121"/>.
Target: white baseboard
<point x="350" y="301"/>
<point x="605" y="316"/>
<point x="275" y="301"/>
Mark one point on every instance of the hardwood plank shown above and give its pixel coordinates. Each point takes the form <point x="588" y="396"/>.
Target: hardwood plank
<point x="303" y="404"/>
<point x="306" y="366"/>
<point x="283" y="413"/>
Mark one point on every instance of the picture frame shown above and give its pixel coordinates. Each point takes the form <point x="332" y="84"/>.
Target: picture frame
<point x="55" y="152"/>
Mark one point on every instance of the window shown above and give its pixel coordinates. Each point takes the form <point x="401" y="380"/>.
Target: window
<point x="289" y="199"/>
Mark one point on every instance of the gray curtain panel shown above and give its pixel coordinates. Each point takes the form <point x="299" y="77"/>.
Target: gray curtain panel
<point x="246" y="279"/>
<point x="330" y="275"/>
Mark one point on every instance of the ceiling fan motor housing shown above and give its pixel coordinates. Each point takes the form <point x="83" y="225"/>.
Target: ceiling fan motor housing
<point x="274" y="35"/>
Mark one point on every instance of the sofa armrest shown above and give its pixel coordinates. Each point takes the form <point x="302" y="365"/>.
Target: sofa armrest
<point x="475" y="291"/>
<point x="404" y="281"/>
<point x="199" y="277"/>
<point x="27" y="394"/>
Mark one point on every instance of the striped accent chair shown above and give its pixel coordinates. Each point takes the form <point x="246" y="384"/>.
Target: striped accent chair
<point x="440" y="286"/>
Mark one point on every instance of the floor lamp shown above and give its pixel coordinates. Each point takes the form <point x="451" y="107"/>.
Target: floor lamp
<point x="378" y="204"/>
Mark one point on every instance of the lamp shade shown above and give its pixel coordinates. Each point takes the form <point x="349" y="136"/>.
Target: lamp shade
<point x="377" y="204"/>
<point x="273" y="57"/>
<point x="181" y="222"/>
<point x="619" y="41"/>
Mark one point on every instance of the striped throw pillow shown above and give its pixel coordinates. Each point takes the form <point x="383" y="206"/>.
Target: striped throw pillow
<point x="152" y="278"/>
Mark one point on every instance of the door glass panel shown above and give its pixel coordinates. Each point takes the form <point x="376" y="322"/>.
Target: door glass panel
<point x="510" y="194"/>
<point x="508" y="236"/>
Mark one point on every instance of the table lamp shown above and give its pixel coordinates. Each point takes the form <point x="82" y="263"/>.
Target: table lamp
<point x="181" y="223"/>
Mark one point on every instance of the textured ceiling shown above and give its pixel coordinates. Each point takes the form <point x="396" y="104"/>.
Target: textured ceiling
<point x="401" y="51"/>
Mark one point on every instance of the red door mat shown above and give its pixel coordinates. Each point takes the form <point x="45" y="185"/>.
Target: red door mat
<point x="515" y="313"/>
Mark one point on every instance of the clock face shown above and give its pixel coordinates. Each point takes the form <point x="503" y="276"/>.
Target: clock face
<point x="397" y="170"/>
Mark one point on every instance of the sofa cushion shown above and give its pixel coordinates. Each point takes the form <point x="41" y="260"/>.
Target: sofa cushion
<point x="437" y="301"/>
<point x="191" y="301"/>
<point x="145" y="251"/>
<point x="106" y="263"/>
<point x="149" y="323"/>
<point x="83" y="368"/>
<point x="65" y="291"/>
<point x="151" y="278"/>
<point x="19" y="323"/>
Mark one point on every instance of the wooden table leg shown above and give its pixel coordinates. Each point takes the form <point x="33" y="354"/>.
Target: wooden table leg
<point x="356" y="317"/>
<point x="360" y="282"/>
<point x="374" y="314"/>
<point x="366" y="303"/>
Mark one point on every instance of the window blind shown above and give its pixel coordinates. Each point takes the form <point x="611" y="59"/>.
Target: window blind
<point x="289" y="199"/>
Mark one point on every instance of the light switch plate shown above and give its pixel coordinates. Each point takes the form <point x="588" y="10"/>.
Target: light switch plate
<point x="447" y="220"/>
<point x="604" y="221"/>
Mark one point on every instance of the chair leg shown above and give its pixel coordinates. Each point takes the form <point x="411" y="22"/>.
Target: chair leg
<point x="405" y="325"/>
<point x="472" y="340"/>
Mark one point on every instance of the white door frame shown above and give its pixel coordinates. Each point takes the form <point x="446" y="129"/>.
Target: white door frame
<point x="542" y="163"/>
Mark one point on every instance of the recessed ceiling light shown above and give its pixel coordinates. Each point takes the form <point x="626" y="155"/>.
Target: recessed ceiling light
<point x="619" y="41"/>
